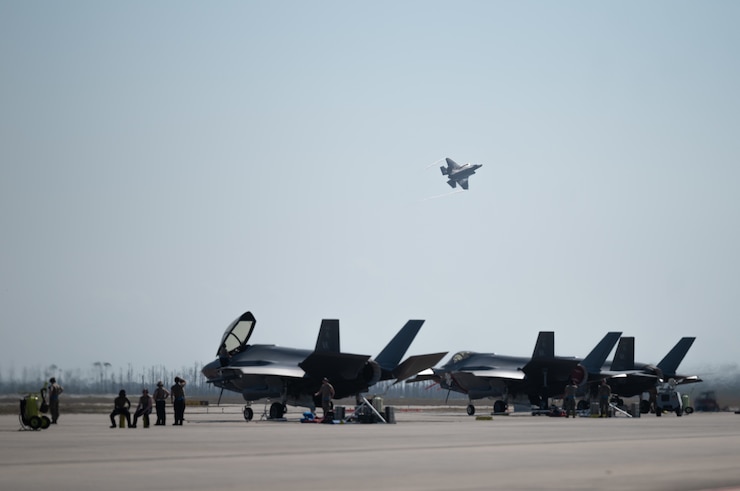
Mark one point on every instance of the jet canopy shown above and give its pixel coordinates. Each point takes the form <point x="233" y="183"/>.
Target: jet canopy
<point x="237" y="334"/>
<point x="460" y="356"/>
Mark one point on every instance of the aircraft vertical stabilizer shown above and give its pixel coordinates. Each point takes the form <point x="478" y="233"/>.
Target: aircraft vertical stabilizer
<point x="596" y="358"/>
<point x="545" y="346"/>
<point x="328" y="340"/>
<point x="669" y="364"/>
<point x="390" y="357"/>
<point x="624" y="356"/>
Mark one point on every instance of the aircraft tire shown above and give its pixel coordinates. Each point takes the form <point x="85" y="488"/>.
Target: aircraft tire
<point x="248" y="413"/>
<point x="470" y="409"/>
<point x="499" y="407"/>
<point x="277" y="410"/>
<point x="644" y="407"/>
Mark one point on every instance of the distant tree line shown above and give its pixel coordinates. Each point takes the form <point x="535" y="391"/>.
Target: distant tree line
<point x="102" y="378"/>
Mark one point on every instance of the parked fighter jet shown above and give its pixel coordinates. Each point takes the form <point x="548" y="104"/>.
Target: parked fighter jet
<point x="508" y="378"/>
<point x="293" y="376"/>
<point x="627" y="378"/>
<point x="458" y="174"/>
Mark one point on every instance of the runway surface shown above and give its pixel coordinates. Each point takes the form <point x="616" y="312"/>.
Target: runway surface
<point x="426" y="450"/>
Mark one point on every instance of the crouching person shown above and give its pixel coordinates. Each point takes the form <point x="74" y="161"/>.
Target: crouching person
<point x="144" y="408"/>
<point x="121" y="405"/>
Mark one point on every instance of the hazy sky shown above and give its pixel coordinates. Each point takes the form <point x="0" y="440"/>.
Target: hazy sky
<point x="167" y="166"/>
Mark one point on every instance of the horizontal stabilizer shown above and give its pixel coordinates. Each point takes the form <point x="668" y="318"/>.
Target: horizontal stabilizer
<point x="444" y="170"/>
<point x="333" y="365"/>
<point x="413" y="365"/>
<point x="328" y="340"/>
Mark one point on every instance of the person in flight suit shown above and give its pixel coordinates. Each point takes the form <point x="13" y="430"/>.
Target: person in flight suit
<point x="177" y="394"/>
<point x="54" y="391"/>
<point x="121" y="405"/>
<point x="160" y="401"/>
<point x="327" y="393"/>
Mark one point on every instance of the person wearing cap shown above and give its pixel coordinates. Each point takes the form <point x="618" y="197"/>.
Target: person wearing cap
<point x="144" y="407"/>
<point x="160" y="400"/>
<point x="326" y="391"/>
<point x="177" y="394"/>
<point x="121" y="405"/>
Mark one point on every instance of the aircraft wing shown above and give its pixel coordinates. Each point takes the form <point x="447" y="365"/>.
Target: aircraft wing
<point x="269" y="369"/>
<point x="610" y="375"/>
<point x="692" y="379"/>
<point x="416" y="365"/>
<point x="333" y="365"/>
<point x="499" y="373"/>
<point x="463" y="182"/>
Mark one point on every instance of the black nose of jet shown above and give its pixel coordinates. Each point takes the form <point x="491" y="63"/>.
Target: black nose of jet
<point x="210" y="371"/>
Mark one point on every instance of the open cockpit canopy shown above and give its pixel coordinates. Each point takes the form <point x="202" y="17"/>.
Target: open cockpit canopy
<point x="237" y="334"/>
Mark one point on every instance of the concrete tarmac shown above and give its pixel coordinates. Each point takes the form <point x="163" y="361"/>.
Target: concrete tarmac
<point x="441" y="449"/>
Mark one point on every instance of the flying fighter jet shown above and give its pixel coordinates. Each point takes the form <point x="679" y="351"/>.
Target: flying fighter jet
<point x="293" y="376"/>
<point x="515" y="379"/>
<point x="458" y="174"/>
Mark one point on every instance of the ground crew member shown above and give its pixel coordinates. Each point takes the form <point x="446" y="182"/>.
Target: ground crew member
<point x="570" y="399"/>
<point x="121" y="405"/>
<point x="327" y="393"/>
<point x="605" y="393"/>
<point x="54" y="391"/>
<point x="144" y="407"/>
<point x="160" y="400"/>
<point x="177" y="394"/>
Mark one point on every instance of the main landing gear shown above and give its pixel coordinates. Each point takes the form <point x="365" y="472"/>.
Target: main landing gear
<point x="499" y="407"/>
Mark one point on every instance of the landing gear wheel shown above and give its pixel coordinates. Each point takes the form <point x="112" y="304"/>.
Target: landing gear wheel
<point x="470" y="409"/>
<point x="248" y="413"/>
<point x="499" y="407"/>
<point x="644" y="407"/>
<point x="34" y="422"/>
<point x="582" y="405"/>
<point x="45" y="422"/>
<point x="277" y="410"/>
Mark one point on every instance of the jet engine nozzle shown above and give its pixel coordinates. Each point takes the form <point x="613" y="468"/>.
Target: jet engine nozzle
<point x="371" y="373"/>
<point x="579" y="375"/>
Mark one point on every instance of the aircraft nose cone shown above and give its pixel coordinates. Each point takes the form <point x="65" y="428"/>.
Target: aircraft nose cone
<point x="210" y="371"/>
